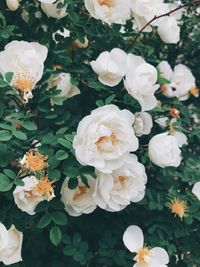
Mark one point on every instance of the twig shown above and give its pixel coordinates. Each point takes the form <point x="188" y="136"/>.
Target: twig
<point x="163" y="15"/>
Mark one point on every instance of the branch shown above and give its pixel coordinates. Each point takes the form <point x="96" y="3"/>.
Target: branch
<point x="164" y="15"/>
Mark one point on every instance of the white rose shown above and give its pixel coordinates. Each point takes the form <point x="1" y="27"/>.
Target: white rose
<point x="63" y="82"/>
<point x="117" y="190"/>
<point x="110" y="66"/>
<point x="145" y="10"/>
<point x="140" y="81"/>
<point x="169" y="31"/>
<point x="133" y="239"/>
<point x="79" y="200"/>
<point x="105" y="138"/>
<point x="4" y="238"/>
<point x="51" y="10"/>
<point x="25" y="198"/>
<point x="12" y="251"/>
<point x="164" y="151"/>
<point x="181" y="80"/>
<point x="26" y="61"/>
<point x="196" y="190"/>
<point x="12" y="4"/>
<point x="109" y="11"/>
<point x="143" y="123"/>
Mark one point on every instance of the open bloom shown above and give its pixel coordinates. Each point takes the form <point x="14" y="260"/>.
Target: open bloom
<point x="117" y="190"/>
<point x="79" y="200"/>
<point x="145" y="256"/>
<point x="26" y="61"/>
<point x="109" y="11"/>
<point x="10" y="245"/>
<point x="145" y="10"/>
<point x="164" y="151"/>
<point x="51" y="9"/>
<point x="110" y="66"/>
<point x="63" y="83"/>
<point x="140" y="81"/>
<point x="105" y="138"/>
<point x="182" y="81"/>
<point x="33" y="191"/>
<point x="196" y="190"/>
<point x="34" y="161"/>
<point x="143" y="123"/>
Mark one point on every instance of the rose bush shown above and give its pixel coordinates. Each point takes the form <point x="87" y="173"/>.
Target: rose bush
<point x="99" y="133"/>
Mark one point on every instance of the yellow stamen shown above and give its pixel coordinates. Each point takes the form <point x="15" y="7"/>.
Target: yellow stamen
<point x="142" y="256"/>
<point x="108" y="3"/>
<point x="82" y="190"/>
<point x="44" y="188"/>
<point x="194" y="91"/>
<point x="103" y="139"/>
<point x="178" y="207"/>
<point x="122" y="180"/>
<point x="24" y="82"/>
<point x="35" y="161"/>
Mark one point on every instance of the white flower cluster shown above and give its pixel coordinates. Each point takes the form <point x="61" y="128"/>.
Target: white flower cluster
<point x="119" y="11"/>
<point x="140" y="77"/>
<point x="143" y="11"/>
<point x="10" y="245"/>
<point x="104" y="140"/>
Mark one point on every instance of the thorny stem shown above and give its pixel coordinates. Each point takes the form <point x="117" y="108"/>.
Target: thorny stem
<point x="163" y="15"/>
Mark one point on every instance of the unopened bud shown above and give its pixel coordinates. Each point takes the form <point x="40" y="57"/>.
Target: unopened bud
<point x="79" y="44"/>
<point x="12" y="4"/>
<point x="175" y="113"/>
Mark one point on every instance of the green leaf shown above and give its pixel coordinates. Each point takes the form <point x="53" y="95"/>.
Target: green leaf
<point x="72" y="183"/>
<point x="59" y="218"/>
<point x="10" y="173"/>
<point x="19" y="182"/>
<point x="61" y="155"/>
<point x="44" y="221"/>
<point x="65" y="143"/>
<point x="29" y="126"/>
<point x="5" y="184"/>
<point x="55" y="235"/>
<point x="109" y="99"/>
<point x="5" y="135"/>
<point x="20" y="135"/>
<point x="9" y="76"/>
<point x="3" y="83"/>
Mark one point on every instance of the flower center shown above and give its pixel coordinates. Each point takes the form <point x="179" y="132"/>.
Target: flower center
<point x="82" y="190"/>
<point x="24" y="82"/>
<point x="143" y="256"/>
<point x="122" y="180"/>
<point x="36" y="161"/>
<point x="108" y="3"/>
<point x="112" y="138"/>
<point x="178" y="207"/>
<point x="44" y="188"/>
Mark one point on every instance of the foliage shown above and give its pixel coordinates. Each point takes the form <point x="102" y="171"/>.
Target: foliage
<point x="52" y="236"/>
